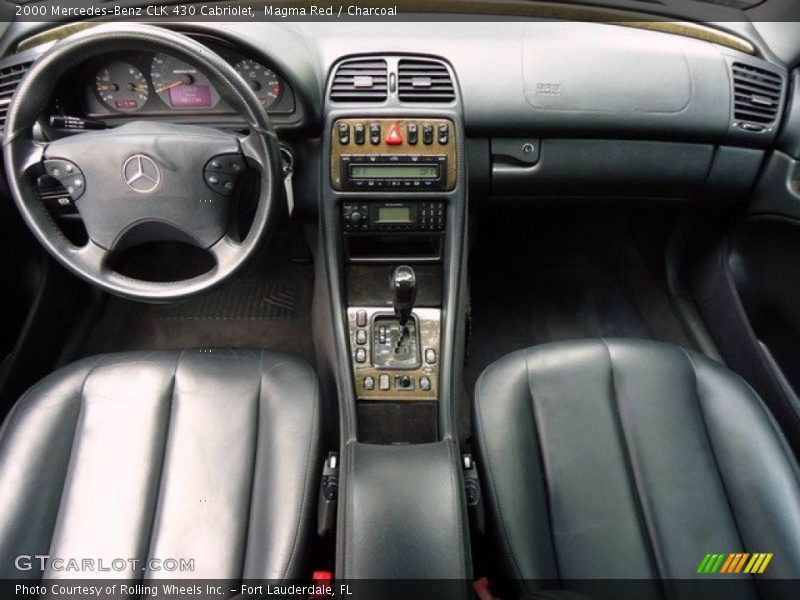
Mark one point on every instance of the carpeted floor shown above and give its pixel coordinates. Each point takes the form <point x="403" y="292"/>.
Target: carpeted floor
<point x="267" y="305"/>
<point x="549" y="275"/>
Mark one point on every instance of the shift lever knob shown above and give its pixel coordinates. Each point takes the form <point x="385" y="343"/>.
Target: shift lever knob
<point x="404" y="292"/>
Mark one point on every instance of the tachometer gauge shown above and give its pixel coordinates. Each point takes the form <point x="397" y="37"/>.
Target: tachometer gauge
<point x="122" y="86"/>
<point x="181" y="85"/>
<point x="262" y="80"/>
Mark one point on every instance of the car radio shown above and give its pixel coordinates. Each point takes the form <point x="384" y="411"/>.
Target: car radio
<point x="393" y="216"/>
<point x="404" y="155"/>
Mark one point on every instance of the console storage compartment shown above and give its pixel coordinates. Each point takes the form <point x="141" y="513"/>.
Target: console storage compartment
<point x="402" y="515"/>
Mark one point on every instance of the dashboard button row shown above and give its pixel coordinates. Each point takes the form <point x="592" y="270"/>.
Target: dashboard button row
<point x="430" y="133"/>
<point x="401" y="383"/>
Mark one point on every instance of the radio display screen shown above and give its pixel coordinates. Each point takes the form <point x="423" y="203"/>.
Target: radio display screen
<point x="394" y="214"/>
<point x="404" y="171"/>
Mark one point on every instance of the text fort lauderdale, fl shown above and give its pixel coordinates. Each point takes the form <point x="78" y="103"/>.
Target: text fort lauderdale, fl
<point x="171" y="589"/>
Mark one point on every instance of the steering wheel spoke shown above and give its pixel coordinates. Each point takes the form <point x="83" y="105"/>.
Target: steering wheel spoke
<point x="31" y="155"/>
<point x="27" y="157"/>
<point x="225" y="250"/>
<point x="253" y="151"/>
<point x="91" y="256"/>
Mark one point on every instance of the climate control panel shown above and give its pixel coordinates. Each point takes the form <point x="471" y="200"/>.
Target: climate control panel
<point x="404" y="155"/>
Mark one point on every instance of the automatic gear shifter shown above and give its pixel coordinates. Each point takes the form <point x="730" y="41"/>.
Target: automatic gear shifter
<point x="404" y="288"/>
<point x="396" y="338"/>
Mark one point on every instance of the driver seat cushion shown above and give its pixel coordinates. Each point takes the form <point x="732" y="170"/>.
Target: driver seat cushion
<point x="204" y="455"/>
<point x="626" y="459"/>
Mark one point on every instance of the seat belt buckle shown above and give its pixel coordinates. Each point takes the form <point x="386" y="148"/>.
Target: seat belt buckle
<point x="287" y="168"/>
<point x="328" y="495"/>
<point x="472" y="494"/>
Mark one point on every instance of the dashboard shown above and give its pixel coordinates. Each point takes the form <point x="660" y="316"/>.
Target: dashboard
<point x="593" y="101"/>
<point x="130" y="85"/>
<point x="588" y="80"/>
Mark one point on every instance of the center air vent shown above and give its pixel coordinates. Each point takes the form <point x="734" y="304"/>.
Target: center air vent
<point x="360" y="80"/>
<point x="420" y="80"/>
<point x="757" y="95"/>
<point x="10" y="76"/>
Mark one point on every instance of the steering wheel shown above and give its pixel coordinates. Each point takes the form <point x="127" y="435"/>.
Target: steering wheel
<point x="148" y="181"/>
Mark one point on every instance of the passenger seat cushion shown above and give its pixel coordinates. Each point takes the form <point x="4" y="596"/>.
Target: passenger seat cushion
<point x="630" y="459"/>
<point x="209" y="455"/>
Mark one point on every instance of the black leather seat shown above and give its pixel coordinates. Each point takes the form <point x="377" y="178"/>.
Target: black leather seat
<point x="202" y="455"/>
<point x="619" y="459"/>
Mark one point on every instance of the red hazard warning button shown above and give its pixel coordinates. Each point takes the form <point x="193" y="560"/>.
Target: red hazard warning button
<point x="394" y="136"/>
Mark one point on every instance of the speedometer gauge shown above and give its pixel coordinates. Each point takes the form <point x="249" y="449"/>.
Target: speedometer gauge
<point x="122" y="86"/>
<point x="262" y="80"/>
<point x="181" y="85"/>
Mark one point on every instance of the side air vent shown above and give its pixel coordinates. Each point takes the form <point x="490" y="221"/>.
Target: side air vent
<point x="420" y="80"/>
<point x="360" y="80"/>
<point x="10" y="76"/>
<point x="757" y="95"/>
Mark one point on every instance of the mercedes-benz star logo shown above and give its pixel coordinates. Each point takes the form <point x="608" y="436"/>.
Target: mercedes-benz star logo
<point x="141" y="173"/>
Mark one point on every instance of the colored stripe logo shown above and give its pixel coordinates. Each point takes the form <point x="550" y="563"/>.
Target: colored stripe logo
<point x="734" y="562"/>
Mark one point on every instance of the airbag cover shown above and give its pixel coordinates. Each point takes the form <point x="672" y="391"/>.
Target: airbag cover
<point x="608" y="74"/>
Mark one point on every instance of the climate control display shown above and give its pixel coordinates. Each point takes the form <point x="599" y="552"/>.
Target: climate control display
<point x="393" y="154"/>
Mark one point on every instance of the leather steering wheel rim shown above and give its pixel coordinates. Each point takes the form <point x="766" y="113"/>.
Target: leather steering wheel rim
<point x="22" y="155"/>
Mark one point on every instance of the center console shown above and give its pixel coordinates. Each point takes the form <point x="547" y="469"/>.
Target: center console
<point x="394" y="228"/>
<point x="391" y="169"/>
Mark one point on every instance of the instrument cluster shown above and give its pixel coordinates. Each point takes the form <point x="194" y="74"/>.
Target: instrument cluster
<point x="137" y="83"/>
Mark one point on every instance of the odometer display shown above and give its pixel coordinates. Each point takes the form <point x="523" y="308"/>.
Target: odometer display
<point x="181" y="85"/>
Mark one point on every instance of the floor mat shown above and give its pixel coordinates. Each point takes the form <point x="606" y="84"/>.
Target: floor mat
<point x="249" y="299"/>
<point x="543" y="276"/>
<point x="267" y="306"/>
